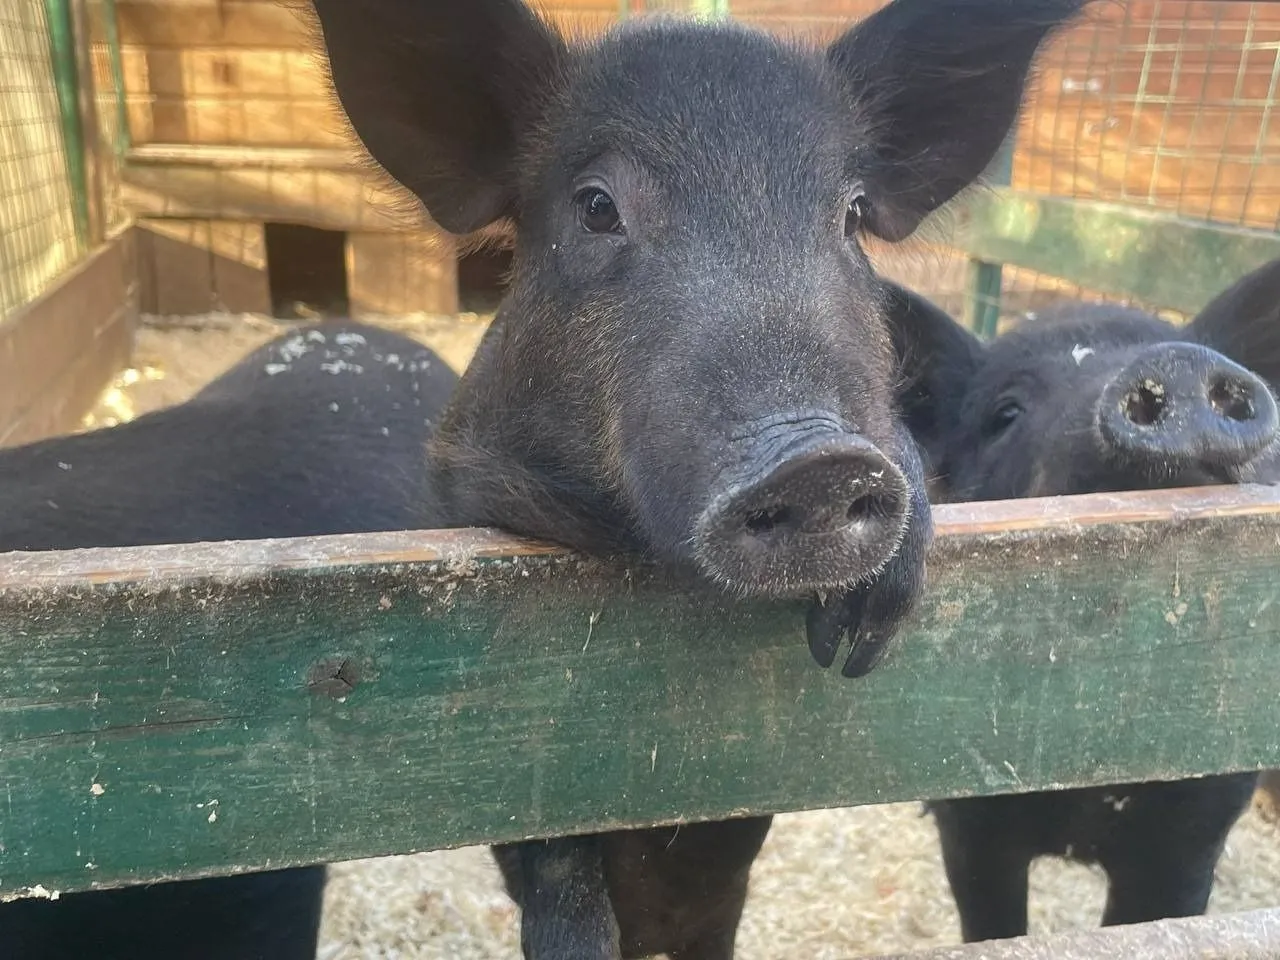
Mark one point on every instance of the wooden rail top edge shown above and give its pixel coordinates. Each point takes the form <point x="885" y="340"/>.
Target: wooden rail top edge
<point x="249" y="558"/>
<point x="984" y="518"/>
<point x="1247" y="935"/>
<point x="238" y="157"/>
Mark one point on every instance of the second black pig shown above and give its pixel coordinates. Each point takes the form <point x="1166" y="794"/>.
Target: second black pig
<point x="1094" y="398"/>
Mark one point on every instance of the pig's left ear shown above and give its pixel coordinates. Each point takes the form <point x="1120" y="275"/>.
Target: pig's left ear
<point x="1243" y="322"/>
<point x="939" y="360"/>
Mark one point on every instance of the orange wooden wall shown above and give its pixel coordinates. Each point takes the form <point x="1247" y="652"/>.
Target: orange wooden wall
<point x="1159" y="102"/>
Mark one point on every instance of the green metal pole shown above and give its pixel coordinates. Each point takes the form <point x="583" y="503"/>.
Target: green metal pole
<point x="982" y="308"/>
<point x="91" y="129"/>
<point x="123" y="139"/>
<point x="62" y="51"/>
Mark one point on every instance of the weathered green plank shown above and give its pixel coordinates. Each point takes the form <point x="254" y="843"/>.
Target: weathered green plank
<point x="1155" y="258"/>
<point x="180" y="710"/>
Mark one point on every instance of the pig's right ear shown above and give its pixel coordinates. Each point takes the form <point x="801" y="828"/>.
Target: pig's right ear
<point x="939" y="84"/>
<point x="939" y="360"/>
<point x="442" y="93"/>
<point x="1243" y="322"/>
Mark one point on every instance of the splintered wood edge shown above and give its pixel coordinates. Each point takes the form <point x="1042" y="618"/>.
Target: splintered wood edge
<point x="241" y="559"/>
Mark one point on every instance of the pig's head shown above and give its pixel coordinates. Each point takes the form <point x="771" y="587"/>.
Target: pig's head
<point x="1097" y="398"/>
<point x="694" y="359"/>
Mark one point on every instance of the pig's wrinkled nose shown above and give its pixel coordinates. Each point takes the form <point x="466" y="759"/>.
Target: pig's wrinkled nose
<point x="1186" y="405"/>
<point x="826" y="509"/>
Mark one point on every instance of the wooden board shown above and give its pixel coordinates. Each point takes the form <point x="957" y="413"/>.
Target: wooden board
<point x="197" y="266"/>
<point x="1253" y="935"/>
<point x="317" y="187"/>
<point x="58" y="352"/>
<point x="390" y="274"/>
<point x="1165" y="105"/>
<point x="186" y="710"/>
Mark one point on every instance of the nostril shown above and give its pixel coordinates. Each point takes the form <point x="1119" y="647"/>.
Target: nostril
<point x="868" y="507"/>
<point x="1231" y="399"/>
<point x="1144" y="405"/>
<point x="762" y="522"/>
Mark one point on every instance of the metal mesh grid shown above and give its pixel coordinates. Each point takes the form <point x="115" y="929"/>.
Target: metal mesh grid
<point x="38" y="238"/>
<point x="1168" y="105"/>
<point x="1160" y="104"/>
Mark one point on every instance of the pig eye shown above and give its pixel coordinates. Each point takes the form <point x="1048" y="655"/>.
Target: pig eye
<point x="854" y="214"/>
<point x="1002" y="416"/>
<point x="597" y="212"/>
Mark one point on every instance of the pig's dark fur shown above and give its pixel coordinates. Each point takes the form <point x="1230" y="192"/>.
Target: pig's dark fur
<point x="1158" y="842"/>
<point x="321" y="431"/>
<point x="688" y="301"/>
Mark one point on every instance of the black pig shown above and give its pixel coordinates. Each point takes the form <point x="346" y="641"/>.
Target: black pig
<point x="321" y="431"/>
<point x="1094" y="398"/>
<point x="693" y="363"/>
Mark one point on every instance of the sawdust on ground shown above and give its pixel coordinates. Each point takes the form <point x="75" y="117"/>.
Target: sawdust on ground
<point x="830" y="885"/>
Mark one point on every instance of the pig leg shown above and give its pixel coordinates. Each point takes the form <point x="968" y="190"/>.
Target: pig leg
<point x="1158" y="890"/>
<point x="1162" y="865"/>
<point x="716" y="946"/>
<point x="986" y="867"/>
<point x="563" y="897"/>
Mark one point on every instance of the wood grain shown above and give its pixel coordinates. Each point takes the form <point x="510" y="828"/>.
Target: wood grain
<point x="59" y="351"/>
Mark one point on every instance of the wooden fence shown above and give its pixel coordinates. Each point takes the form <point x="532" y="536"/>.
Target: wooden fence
<point x="179" y="711"/>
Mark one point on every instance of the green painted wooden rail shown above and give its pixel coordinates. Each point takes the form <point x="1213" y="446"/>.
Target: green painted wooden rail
<point x="1156" y="258"/>
<point x="177" y="711"/>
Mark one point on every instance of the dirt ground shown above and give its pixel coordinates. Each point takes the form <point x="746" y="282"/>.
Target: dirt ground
<point x="830" y="885"/>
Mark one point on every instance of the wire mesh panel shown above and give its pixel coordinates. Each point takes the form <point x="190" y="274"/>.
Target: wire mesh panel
<point x="38" y="238"/>
<point x="1165" y="105"/>
<point x="1168" y="105"/>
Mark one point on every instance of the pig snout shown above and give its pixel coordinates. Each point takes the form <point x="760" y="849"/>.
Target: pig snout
<point x="812" y="505"/>
<point x="1184" y="405"/>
